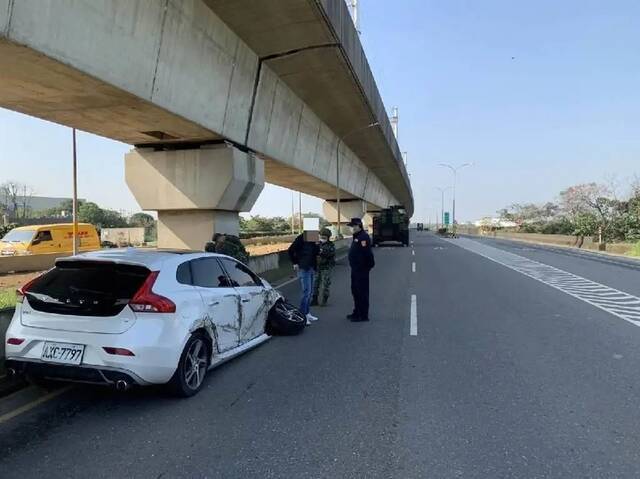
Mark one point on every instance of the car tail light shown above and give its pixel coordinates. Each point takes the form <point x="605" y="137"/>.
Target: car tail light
<point x="146" y="301"/>
<point x="20" y="292"/>
<point x="118" y="351"/>
<point x="15" y="341"/>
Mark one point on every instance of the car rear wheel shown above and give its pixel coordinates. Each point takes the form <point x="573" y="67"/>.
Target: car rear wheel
<point x="192" y="367"/>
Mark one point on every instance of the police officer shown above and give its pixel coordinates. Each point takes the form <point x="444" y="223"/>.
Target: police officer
<point x="361" y="261"/>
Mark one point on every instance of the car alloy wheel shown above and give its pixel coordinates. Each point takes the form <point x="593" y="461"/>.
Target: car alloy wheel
<point x="192" y="367"/>
<point x="195" y="364"/>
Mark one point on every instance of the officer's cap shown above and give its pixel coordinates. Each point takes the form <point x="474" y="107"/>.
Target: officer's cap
<point x="355" y="222"/>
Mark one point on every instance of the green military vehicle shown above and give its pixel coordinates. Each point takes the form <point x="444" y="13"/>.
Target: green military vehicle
<point x="391" y="224"/>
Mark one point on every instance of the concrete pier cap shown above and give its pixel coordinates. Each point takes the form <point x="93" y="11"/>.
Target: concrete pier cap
<point x="196" y="192"/>
<point x="349" y="208"/>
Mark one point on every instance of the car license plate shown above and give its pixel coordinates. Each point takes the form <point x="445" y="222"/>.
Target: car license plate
<point x="63" y="353"/>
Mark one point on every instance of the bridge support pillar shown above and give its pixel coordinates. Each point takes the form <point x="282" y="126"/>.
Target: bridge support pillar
<point x="349" y="208"/>
<point x="196" y="192"/>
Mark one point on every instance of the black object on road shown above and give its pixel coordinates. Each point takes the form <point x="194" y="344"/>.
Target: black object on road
<point x="285" y="320"/>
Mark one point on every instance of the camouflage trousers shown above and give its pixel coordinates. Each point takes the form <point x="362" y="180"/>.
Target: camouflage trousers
<point x="322" y="285"/>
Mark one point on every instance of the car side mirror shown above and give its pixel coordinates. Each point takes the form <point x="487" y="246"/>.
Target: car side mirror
<point x="36" y="242"/>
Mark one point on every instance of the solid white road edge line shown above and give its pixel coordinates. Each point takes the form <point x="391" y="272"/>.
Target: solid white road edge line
<point x="413" y="330"/>
<point x="563" y="290"/>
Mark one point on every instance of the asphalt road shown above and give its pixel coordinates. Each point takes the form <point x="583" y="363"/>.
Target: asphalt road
<point x="506" y="378"/>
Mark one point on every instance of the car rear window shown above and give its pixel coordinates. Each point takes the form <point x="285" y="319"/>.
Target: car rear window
<point x="85" y="288"/>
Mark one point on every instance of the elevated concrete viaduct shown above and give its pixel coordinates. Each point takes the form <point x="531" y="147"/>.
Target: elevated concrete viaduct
<point x="217" y="97"/>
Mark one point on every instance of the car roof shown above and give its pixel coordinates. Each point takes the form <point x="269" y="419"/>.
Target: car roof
<point x="150" y="257"/>
<point x="51" y="226"/>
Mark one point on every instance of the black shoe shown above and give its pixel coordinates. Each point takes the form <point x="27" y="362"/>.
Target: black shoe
<point x="359" y="320"/>
<point x="352" y="316"/>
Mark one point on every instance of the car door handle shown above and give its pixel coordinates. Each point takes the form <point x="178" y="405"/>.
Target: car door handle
<point x="246" y="300"/>
<point x="214" y="303"/>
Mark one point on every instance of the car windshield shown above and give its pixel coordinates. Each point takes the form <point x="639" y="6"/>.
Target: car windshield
<point x="18" y="236"/>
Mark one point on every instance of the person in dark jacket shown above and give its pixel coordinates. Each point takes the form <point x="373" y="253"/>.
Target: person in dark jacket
<point x="361" y="261"/>
<point x="304" y="256"/>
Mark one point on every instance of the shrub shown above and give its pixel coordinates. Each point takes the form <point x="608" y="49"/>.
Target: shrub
<point x="7" y="298"/>
<point x="5" y="229"/>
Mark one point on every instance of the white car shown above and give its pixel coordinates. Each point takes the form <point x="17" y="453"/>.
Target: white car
<point x="137" y="316"/>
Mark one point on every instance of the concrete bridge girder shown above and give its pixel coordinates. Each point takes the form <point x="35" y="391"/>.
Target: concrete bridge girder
<point x="161" y="72"/>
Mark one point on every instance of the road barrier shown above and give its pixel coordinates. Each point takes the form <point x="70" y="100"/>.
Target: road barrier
<point x="28" y="263"/>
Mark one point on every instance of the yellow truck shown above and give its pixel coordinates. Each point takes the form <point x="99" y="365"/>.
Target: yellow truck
<point x="40" y="239"/>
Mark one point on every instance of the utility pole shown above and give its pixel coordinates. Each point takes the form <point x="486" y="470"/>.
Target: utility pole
<point x="293" y="213"/>
<point x="75" y="195"/>
<point x="300" y="208"/>
<point x="442" y="191"/>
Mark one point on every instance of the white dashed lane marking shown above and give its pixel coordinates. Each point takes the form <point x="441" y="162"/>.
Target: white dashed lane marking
<point x="615" y="302"/>
<point x="413" y="329"/>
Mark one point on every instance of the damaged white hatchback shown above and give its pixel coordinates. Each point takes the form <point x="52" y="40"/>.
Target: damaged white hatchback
<point x="138" y="316"/>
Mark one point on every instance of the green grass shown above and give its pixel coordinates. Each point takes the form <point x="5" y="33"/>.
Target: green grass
<point x="635" y="251"/>
<point x="7" y="298"/>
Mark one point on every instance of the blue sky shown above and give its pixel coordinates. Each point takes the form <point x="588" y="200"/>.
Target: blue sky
<point x="565" y="110"/>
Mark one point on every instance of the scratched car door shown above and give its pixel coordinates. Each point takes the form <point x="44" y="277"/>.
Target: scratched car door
<point x="221" y="300"/>
<point x="252" y="297"/>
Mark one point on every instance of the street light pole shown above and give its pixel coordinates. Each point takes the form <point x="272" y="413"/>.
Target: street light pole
<point x="340" y="140"/>
<point x="454" y="169"/>
<point x="442" y="190"/>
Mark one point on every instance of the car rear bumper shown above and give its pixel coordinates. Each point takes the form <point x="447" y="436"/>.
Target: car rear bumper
<point x="83" y="374"/>
<point x="156" y="352"/>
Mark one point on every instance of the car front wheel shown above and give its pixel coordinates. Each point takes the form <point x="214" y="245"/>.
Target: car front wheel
<point x="192" y="368"/>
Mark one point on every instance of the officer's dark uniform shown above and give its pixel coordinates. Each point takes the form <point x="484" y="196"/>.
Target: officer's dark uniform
<point x="361" y="261"/>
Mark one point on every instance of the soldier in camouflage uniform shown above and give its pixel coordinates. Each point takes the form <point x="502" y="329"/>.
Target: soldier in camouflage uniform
<point x="326" y="262"/>
<point x="229" y="245"/>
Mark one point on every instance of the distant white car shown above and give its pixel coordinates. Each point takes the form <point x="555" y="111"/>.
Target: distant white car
<point x="134" y="316"/>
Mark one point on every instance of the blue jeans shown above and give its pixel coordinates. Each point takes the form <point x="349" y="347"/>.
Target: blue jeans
<point x="306" y="281"/>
